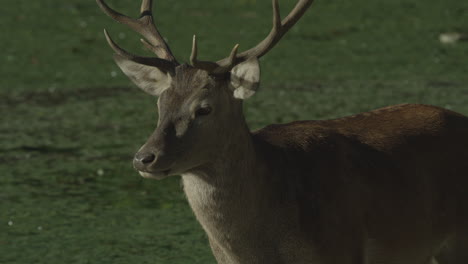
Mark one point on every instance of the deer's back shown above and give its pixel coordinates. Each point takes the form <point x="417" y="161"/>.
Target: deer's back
<point x="404" y="166"/>
<point x="403" y="134"/>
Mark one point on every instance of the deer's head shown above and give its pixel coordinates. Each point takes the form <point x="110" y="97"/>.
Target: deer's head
<point x="198" y="104"/>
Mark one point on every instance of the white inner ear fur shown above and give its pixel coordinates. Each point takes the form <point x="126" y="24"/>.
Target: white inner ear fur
<point x="245" y="78"/>
<point x="150" y="79"/>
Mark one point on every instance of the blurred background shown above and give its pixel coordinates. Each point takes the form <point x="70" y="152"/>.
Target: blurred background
<point x="71" y="121"/>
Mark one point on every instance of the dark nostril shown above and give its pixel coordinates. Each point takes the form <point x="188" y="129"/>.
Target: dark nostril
<point x="146" y="158"/>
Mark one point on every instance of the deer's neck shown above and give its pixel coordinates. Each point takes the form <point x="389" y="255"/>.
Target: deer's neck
<point x="229" y="195"/>
<point x="232" y="179"/>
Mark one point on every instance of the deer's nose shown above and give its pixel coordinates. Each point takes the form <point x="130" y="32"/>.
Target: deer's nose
<point x="143" y="159"/>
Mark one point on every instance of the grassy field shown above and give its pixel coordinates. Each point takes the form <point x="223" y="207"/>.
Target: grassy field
<point x="70" y="121"/>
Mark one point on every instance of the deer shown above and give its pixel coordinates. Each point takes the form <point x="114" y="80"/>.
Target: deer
<point x="386" y="186"/>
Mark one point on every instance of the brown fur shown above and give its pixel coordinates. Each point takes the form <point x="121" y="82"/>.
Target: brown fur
<point x="387" y="186"/>
<point x="383" y="187"/>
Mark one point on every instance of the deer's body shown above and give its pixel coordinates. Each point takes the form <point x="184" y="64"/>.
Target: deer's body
<point x="383" y="187"/>
<point x="337" y="191"/>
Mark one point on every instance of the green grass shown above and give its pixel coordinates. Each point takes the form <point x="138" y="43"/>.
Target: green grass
<point x="70" y="125"/>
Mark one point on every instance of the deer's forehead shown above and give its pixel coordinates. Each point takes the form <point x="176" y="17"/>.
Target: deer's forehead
<point x="189" y="84"/>
<point x="189" y="80"/>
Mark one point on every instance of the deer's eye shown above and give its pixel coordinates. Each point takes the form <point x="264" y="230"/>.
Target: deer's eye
<point x="206" y="110"/>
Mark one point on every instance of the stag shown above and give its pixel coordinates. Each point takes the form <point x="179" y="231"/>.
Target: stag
<point x="382" y="187"/>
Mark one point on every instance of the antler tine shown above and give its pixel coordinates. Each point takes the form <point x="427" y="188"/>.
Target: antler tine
<point x="279" y="29"/>
<point x="193" y="56"/>
<point x="209" y="66"/>
<point x="145" y="26"/>
<point x="230" y="62"/>
<point x="146" y="6"/>
<point x="162" y="64"/>
<point x="117" y="49"/>
<point x="205" y="65"/>
<point x="115" y="15"/>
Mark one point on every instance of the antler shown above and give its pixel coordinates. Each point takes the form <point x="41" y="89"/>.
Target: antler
<point x="143" y="25"/>
<point x="155" y="42"/>
<point x="164" y="65"/>
<point x="277" y="32"/>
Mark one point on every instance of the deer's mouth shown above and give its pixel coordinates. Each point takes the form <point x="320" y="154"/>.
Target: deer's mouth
<point x="155" y="175"/>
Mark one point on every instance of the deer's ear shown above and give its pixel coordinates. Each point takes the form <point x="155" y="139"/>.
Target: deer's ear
<point x="245" y="78"/>
<point x="149" y="78"/>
